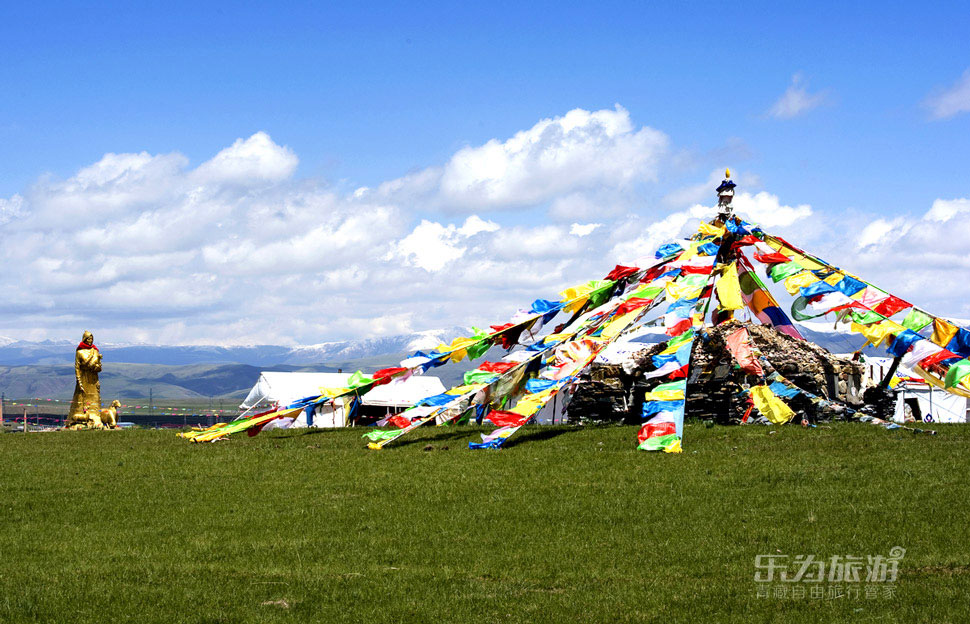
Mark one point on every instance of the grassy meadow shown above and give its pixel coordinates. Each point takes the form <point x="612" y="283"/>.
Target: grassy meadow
<point x="564" y="525"/>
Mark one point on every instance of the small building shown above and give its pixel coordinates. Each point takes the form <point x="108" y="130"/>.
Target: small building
<point x="917" y="400"/>
<point x="277" y="389"/>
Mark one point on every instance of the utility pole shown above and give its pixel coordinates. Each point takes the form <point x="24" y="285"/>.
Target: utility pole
<point x="25" y="419"/>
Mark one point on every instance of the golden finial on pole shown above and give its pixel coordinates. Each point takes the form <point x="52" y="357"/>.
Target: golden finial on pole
<point x="727" y="172"/>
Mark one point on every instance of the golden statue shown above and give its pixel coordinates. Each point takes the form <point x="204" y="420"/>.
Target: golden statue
<point x="85" y="412"/>
<point x="109" y="415"/>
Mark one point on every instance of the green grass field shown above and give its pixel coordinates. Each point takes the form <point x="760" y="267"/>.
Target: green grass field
<point x="565" y="524"/>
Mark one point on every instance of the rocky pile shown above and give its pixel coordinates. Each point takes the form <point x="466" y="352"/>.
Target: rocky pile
<point x="609" y="393"/>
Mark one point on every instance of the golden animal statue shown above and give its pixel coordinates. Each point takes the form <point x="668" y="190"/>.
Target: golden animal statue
<point x="85" y="411"/>
<point x="109" y="415"/>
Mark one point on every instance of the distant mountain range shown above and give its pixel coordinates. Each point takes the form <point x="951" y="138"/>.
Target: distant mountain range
<point x="46" y="369"/>
<point x="19" y="352"/>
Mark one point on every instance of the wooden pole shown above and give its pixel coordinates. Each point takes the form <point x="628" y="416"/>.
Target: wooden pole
<point x="25" y="420"/>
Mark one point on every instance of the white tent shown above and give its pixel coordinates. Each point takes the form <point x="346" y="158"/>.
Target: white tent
<point x="933" y="404"/>
<point x="916" y="398"/>
<point x="281" y="388"/>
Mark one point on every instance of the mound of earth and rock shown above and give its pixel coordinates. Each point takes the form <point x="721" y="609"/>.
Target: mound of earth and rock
<point x="612" y="392"/>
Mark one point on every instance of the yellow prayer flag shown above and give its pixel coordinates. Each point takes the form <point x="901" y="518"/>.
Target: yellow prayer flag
<point x="664" y="395"/>
<point x="943" y="332"/>
<point x="617" y="325"/>
<point x="877" y="333"/>
<point x="770" y="406"/>
<point x="729" y="289"/>
<point x="799" y="280"/>
<point x="676" y="291"/>
<point x="674" y="447"/>
<point x="709" y="230"/>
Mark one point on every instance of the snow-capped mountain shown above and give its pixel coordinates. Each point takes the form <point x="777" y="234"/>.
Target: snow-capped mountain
<point x="17" y="352"/>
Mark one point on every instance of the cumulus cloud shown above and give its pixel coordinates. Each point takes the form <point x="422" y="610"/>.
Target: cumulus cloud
<point x="881" y="231"/>
<point x="583" y="229"/>
<point x="951" y="101"/>
<point x="239" y="250"/>
<point x="767" y="210"/>
<point x="10" y="208"/>
<point x="432" y="246"/>
<point x="796" y="100"/>
<point x="249" y="161"/>
<point x="635" y="241"/>
<point x="553" y="158"/>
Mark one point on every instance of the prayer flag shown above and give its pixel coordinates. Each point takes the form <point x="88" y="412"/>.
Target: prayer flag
<point x="770" y="406"/>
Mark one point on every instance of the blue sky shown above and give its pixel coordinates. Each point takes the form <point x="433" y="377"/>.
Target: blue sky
<point x="362" y="95"/>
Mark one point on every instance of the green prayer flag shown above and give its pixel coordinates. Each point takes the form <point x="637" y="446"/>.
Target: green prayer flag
<point x="379" y="434"/>
<point x="601" y="291"/>
<point x="659" y="443"/>
<point x="957" y="372"/>
<point x="698" y="280"/>
<point x="866" y="317"/>
<point x="358" y="379"/>
<point x="672" y="385"/>
<point x="916" y="320"/>
<point x="648" y="292"/>
<point x="687" y="336"/>
<point x="478" y="349"/>
<point x="779" y="272"/>
<point x="478" y="376"/>
<point x="798" y="310"/>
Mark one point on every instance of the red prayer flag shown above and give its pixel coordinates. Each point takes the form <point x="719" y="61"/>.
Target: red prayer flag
<point x="655" y="430"/>
<point x="632" y="304"/>
<point x="620" y="271"/>
<point x="680" y="373"/>
<point x="739" y="344"/>
<point x="506" y="419"/>
<point x="679" y="327"/>
<point x="891" y="305"/>
<point x="936" y="358"/>
<point x="689" y="269"/>
<point x="771" y="258"/>
<point x="497" y="367"/>
<point x="399" y="421"/>
<point x="653" y="274"/>
<point x="385" y="375"/>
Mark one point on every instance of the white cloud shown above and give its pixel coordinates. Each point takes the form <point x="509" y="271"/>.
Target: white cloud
<point x="10" y="208"/>
<point x="946" y="209"/>
<point x="640" y="248"/>
<point x="767" y="210"/>
<point x="921" y="258"/>
<point x="583" y="229"/>
<point x="432" y="246"/>
<point x="544" y="241"/>
<point x="881" y="231"/>
<point x="238" y="251"/>
<point x="796" y="100"/>
<point x="250" y="161"/>
<point x="952" y="101"/>
<point x="475" y="224"/>
<point x="555" y="157"/>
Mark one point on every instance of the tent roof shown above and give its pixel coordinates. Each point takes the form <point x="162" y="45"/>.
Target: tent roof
<point x="284" y="388"/>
